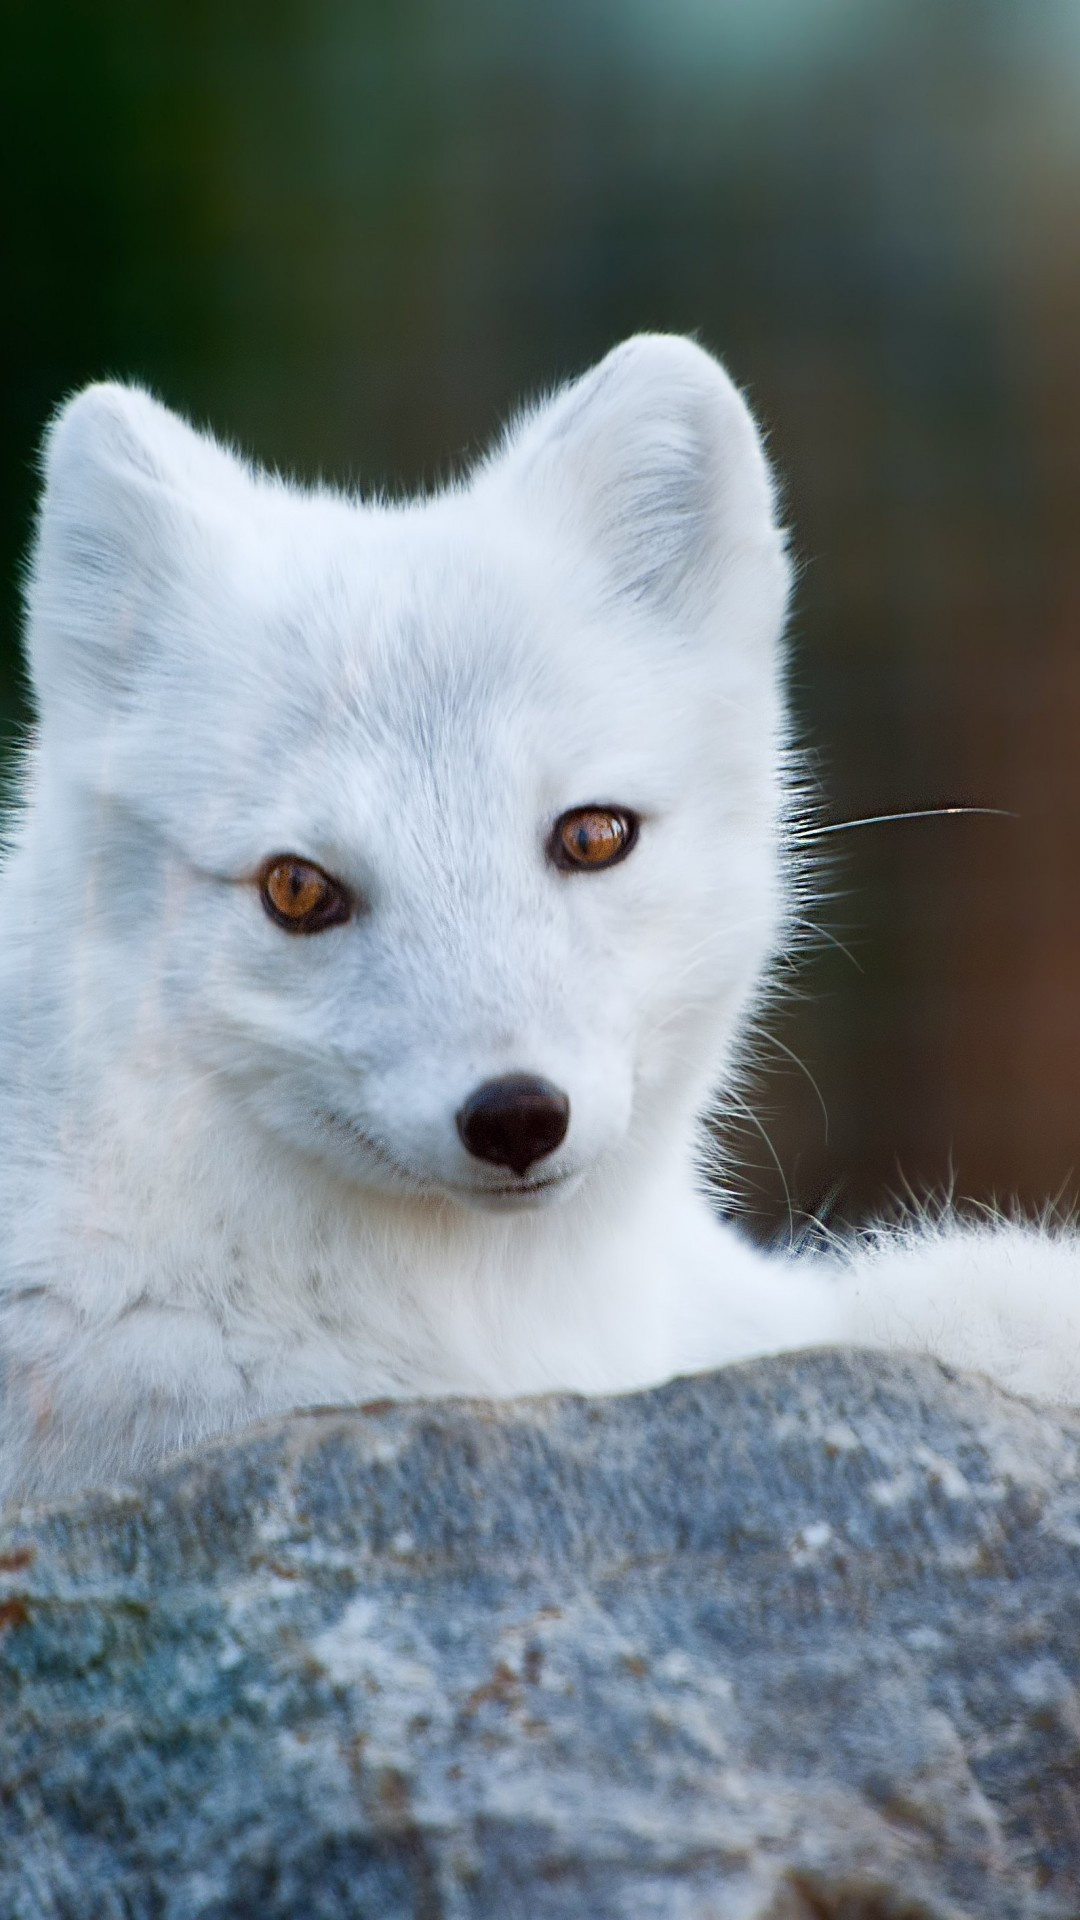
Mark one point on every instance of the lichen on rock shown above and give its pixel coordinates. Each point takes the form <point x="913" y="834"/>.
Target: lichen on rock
<point x="794" y="1641"/>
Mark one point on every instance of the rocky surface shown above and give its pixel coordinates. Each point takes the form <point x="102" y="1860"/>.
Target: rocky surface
<point x="797" y="1641"/>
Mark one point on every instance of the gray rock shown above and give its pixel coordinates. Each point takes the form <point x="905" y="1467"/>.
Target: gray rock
<point x="796" y="1641"/>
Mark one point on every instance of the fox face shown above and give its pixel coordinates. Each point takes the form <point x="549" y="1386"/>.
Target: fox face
<point x="441" y="842"/>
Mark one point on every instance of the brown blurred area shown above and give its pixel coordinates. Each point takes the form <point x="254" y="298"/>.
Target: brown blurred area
<point x="947" y="634"/>
<point x="351" y="233"/>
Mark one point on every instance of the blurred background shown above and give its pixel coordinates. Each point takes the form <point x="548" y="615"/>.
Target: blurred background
<point x="350" y="233"/>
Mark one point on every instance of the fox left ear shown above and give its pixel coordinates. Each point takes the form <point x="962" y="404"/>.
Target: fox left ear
<point x="653" y="459"/>
<point x="130" y="496"/>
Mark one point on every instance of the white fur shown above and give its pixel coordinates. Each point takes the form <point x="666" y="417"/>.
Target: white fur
<point x="231" y="1181"/>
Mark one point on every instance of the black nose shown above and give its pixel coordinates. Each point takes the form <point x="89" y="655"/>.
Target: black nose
<point x="515" y="1121"/>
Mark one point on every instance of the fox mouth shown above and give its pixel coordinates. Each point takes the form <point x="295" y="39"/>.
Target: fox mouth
<point x="512" y="1194"/>
<point x="527" y="1186"/>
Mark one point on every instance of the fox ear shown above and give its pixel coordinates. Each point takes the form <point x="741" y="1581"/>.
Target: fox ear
<point x="654" y="459"/>
<point x="126" y="490"/>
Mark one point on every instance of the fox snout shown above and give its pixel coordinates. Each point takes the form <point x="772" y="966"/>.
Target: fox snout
<point x="514" y="1122"/>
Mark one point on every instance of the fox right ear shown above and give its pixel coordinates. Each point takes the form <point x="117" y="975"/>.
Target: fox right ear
<point x="125" y="482"/>
<point x="653" y="462"/>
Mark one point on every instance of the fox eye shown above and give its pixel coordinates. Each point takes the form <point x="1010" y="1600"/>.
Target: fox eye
<point x="300" y="896"/>
<point x="588" y="838"/>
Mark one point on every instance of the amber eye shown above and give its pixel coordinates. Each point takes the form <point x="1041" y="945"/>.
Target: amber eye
<point x="300" y="896"/>
<point x="592" y="837"/>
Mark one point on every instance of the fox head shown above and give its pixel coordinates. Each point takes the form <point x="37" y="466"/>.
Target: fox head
<point x="441" y="840"/>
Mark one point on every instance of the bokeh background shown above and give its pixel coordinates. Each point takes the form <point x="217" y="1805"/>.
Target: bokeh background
<point x="351" y="232"/>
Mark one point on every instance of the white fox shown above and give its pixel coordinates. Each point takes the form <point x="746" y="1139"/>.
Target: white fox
<point x="389" y="893"/>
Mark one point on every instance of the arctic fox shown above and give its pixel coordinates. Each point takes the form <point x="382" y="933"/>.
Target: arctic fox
<point x="390" y="889"/>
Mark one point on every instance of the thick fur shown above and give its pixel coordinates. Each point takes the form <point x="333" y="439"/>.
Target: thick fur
<point x="231" y="1180"/>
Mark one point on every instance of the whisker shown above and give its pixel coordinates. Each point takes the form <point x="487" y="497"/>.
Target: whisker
<point x="749" y="1114"/>
<point x="774" y="1040"/>
<point x="822" y="933"/>
<point x="917" y="813"/>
